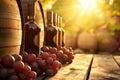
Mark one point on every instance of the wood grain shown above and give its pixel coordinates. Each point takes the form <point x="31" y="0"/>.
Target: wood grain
<point x="10" y="27"/>
<point x="117" y="59"/>
<point x="10" y="37"/>
<point x="104" y="68"/>
<point x="76" y="70"/>
<point x="9" y="50"/>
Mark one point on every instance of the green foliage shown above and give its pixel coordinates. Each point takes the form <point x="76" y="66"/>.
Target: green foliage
<point x="115" y="27"/>
<point x="116" y="5"/>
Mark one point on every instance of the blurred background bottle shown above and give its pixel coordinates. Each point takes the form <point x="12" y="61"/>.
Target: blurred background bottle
<point x="59" y="32"/>
<point x="50" y="31"/>
<point x="63" y="32"/>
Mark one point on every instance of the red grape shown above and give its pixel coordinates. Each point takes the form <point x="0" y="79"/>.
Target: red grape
<point x="69" y="60"/>
<point x="55" y="70"/>
<point x="53" y="50"/>
<point x="31" y="58"/>
<point x="32" y="74"/>
<point x="27" y="69"/>
<point x="11" y="71"/>
<point x="50" y="48"/>
<point x="39" y="72"/>
<point x="44" y="55"/>
<point x="70" y="55"/>
<point x="70" y="49"/>
<point x="59" y="53"/>
<point x="49" y="72"/>
<point x="49" y="60"/>
<point x="8" y="60"/>
<point x="56" y="64"/>
<point x="53" y="56"/>
<point x="59" y="47"/>
<point x="66" y="51"/>
<point x="3" y="72"/>
<point x="13" y="77"/>
<point x="18" y="65"/>
<point x="38" y="59"/>
<point x="28" y="78"/>
<point x="42" y="63"/>
<point x="64" y="57"/>
<point x="25" y="56"/>
<point x="34" y="66"/>
<point x="21" y="76"/>
<point x="17" y="57"/>
<point x="45" y="48"/>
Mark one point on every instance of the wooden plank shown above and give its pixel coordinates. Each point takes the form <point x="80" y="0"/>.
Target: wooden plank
<point x="76" y="70"/>
<point x="117" y="59"/>
<point x="104" y="68"/>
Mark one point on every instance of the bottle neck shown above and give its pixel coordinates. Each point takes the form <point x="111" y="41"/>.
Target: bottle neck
<point x="31" y="11"/>
<point x="55" y="19"/>
<point x="50" y="23"/>
<point x="50" y="18"/>
<point x="55" y="23"/>
<point x="30" y="18"/>
<point x="60" y="22"/>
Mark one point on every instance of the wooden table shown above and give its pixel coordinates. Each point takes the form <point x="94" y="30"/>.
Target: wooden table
<point x="102" y="66"/>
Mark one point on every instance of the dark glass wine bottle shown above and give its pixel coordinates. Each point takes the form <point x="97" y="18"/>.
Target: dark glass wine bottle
<point x="31" y="32"/>
<point x="63" y="31"/>
<point x="59" y="32"/>
<point x="51" y="31"/>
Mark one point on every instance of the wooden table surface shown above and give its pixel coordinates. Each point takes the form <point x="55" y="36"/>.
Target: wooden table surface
<point x="102" y="66"/>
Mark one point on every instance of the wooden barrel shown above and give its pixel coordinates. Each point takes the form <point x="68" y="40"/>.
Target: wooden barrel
<point x="87" y="41"/>
<point x="10" y="27"/>
<point x="39" y="19"/>
<point x="70" y="41"/>
<point x="106" y="40"/>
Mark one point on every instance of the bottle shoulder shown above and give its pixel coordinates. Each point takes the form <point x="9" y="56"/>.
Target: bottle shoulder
<point x="50" y="27"/>
<point x="32" y="24"/>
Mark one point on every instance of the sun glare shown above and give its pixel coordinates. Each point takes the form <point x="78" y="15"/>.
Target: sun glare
<point x="49" y="6"/>
<point x="87" y="5"/>
<point x="83" y="14"/>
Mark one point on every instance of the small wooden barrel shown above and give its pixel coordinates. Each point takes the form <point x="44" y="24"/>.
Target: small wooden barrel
<point x="87" y="41"/>
<point x="39" y="19"/>
<point x="10" y="27"/>
<point x="70" y="41"/>
<point x="107" y="42"/>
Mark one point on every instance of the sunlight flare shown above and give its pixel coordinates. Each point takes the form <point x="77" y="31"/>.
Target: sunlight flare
<point x="87" y="5"/>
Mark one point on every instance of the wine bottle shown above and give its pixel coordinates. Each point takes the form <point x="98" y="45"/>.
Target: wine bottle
<point x="51" y="33"/>
<point x="32" y="31"/>
<point x="63" y="32"/>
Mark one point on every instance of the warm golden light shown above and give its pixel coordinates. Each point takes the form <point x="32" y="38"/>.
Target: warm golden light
<point x="111" y="2"/>
<point x="88" y="5"/>
<point x="83" y="14"/>
<point x="49" y="6"/>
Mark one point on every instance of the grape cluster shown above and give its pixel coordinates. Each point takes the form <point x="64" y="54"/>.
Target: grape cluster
<point x="63" y="54"/>
<point x="48" y="63"/>
<point x="13" y="68"/>
<point x="28" y="66"/>
<point x="45" y="63"/>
